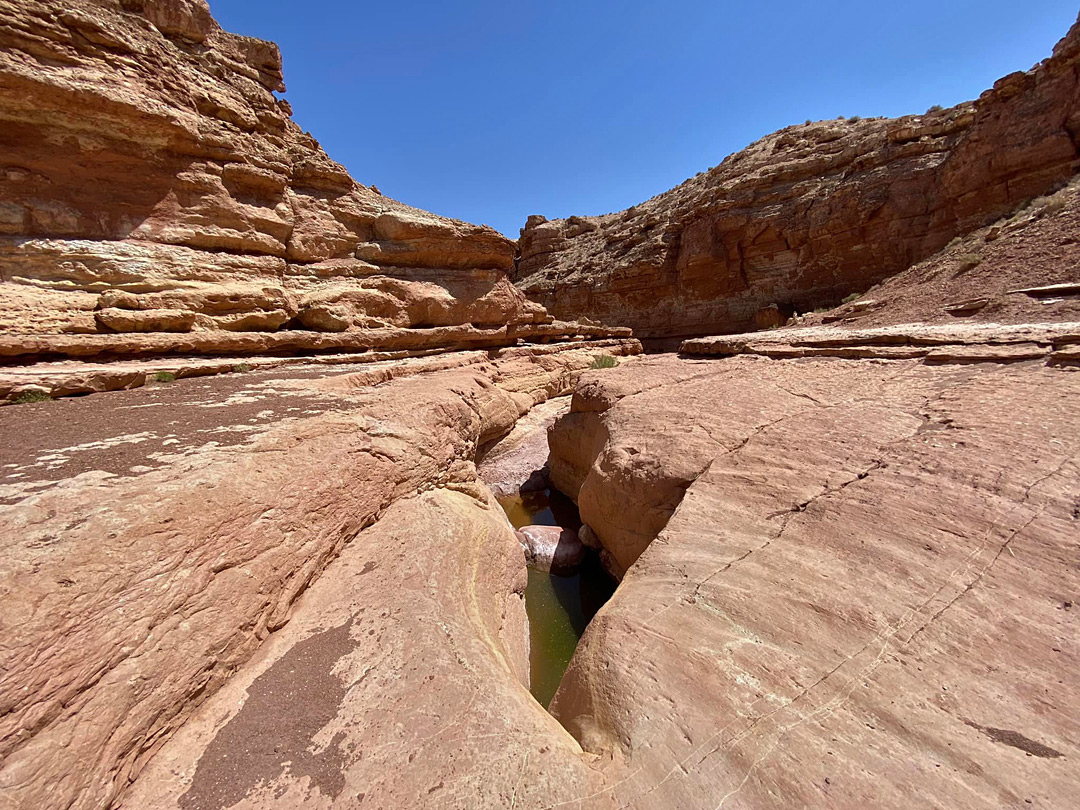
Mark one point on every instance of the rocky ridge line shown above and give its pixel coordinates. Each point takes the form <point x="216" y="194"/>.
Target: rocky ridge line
<point x="812" y="213"/>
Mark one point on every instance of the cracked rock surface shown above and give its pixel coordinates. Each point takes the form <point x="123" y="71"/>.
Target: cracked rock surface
<point x="846" y="583"/>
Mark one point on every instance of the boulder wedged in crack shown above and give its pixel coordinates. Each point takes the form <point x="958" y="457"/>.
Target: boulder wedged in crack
<point x="138" y="582"/>
<point x="861" y="597"/>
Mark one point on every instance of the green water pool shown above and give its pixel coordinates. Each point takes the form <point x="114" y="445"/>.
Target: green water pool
<point x="559" y="608"/>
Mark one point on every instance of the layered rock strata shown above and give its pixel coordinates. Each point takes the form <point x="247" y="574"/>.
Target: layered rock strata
<point x="1021" y="268"/>
<point x="936" y="343"/>
<point x="152" y="185"/>
<point x="846" y="582"/>
<point x="812" y="213"/>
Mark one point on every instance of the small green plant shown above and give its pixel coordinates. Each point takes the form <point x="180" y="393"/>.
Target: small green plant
<point x="164" y="376"/>
<point x="807" y="121"/>
<point x="849" y="298"/>
<point x="603" y="361"/>
<point x="935" y="108"/>
<point x="31" y="396"/>
<point x="240" y="368"/>
<point x="855" y="119"/>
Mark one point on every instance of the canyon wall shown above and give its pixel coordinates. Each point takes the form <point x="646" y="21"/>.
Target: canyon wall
<point x="152" y="183"/>
<point x="812" y="213"/>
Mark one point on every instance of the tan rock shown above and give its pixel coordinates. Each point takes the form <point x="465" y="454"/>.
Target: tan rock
<point x="518" y="462"/>
<point x="176" y="566"/>
<point x="239" y="344"/>
<point x="554" y="549"/>
<point x="145" y="320"/>
<point x="173" y="181"/>
<point x="349" y="655"/>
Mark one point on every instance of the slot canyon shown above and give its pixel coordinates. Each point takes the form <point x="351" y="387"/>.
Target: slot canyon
<point x="762" y="493"/>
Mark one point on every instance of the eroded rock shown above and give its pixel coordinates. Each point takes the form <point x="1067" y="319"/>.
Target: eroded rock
<point x="852" y="588"/>
<point x="189" y="531"/>
<point x="813" y="213"/>
<point x="554" y="549"/>
<point x="150" y="174"/>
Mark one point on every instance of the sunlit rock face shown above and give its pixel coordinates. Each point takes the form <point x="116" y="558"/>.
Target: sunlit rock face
<point x="812" y="213"/>
<point x="151" y="181"/>
<point x="842" y="575"/>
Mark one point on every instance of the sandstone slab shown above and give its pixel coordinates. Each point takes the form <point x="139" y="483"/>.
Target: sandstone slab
<point x="154" y="544"/>
<point x="553" y="549"/>
<point x="845" y="582"/>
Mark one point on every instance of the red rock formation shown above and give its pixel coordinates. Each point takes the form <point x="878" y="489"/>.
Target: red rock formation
<point x="811" y="213"/>
<point x="847" y="584"/>
<point x="134" y="592"/>
<point x="1022" y="268"/>
<point x="150" y="181"/>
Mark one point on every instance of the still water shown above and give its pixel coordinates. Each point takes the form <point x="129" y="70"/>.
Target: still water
<point x="559" y="608"/>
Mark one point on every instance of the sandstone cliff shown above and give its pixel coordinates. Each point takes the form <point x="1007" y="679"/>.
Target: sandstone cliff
<point x="812" y="213"/>
<point x="151" y="182"/>
<point x="1022" y="268"/>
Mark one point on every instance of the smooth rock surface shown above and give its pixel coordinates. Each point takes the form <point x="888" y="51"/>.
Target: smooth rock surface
<point x="154" y="539"/>
<point x="518" y="462"/>
<point x="402" y="675"/>
<point x="847" y="583"/>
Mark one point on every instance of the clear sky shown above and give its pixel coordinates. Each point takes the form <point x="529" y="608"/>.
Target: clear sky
<point x="491" y="110"/>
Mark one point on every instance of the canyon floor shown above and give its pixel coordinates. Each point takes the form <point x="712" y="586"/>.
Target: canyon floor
<point x="847" y="563"/>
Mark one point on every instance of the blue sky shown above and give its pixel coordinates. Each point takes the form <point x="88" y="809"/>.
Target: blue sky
<point x="492" y="110"/>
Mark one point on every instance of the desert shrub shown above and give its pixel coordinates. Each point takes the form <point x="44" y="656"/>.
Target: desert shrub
<point x="31" y="396"/>
<point x="935" y="108"/>
<point x="240" y="368"/>
<point x="1055" y="204"/>
<point x="164" y="376"/>
<point x="855" y="119"/>
<point x="1045" y="206"/>
<point x="968" y="261"/>
<point x="603" y="361"/>
<point x="849" y="298"/>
